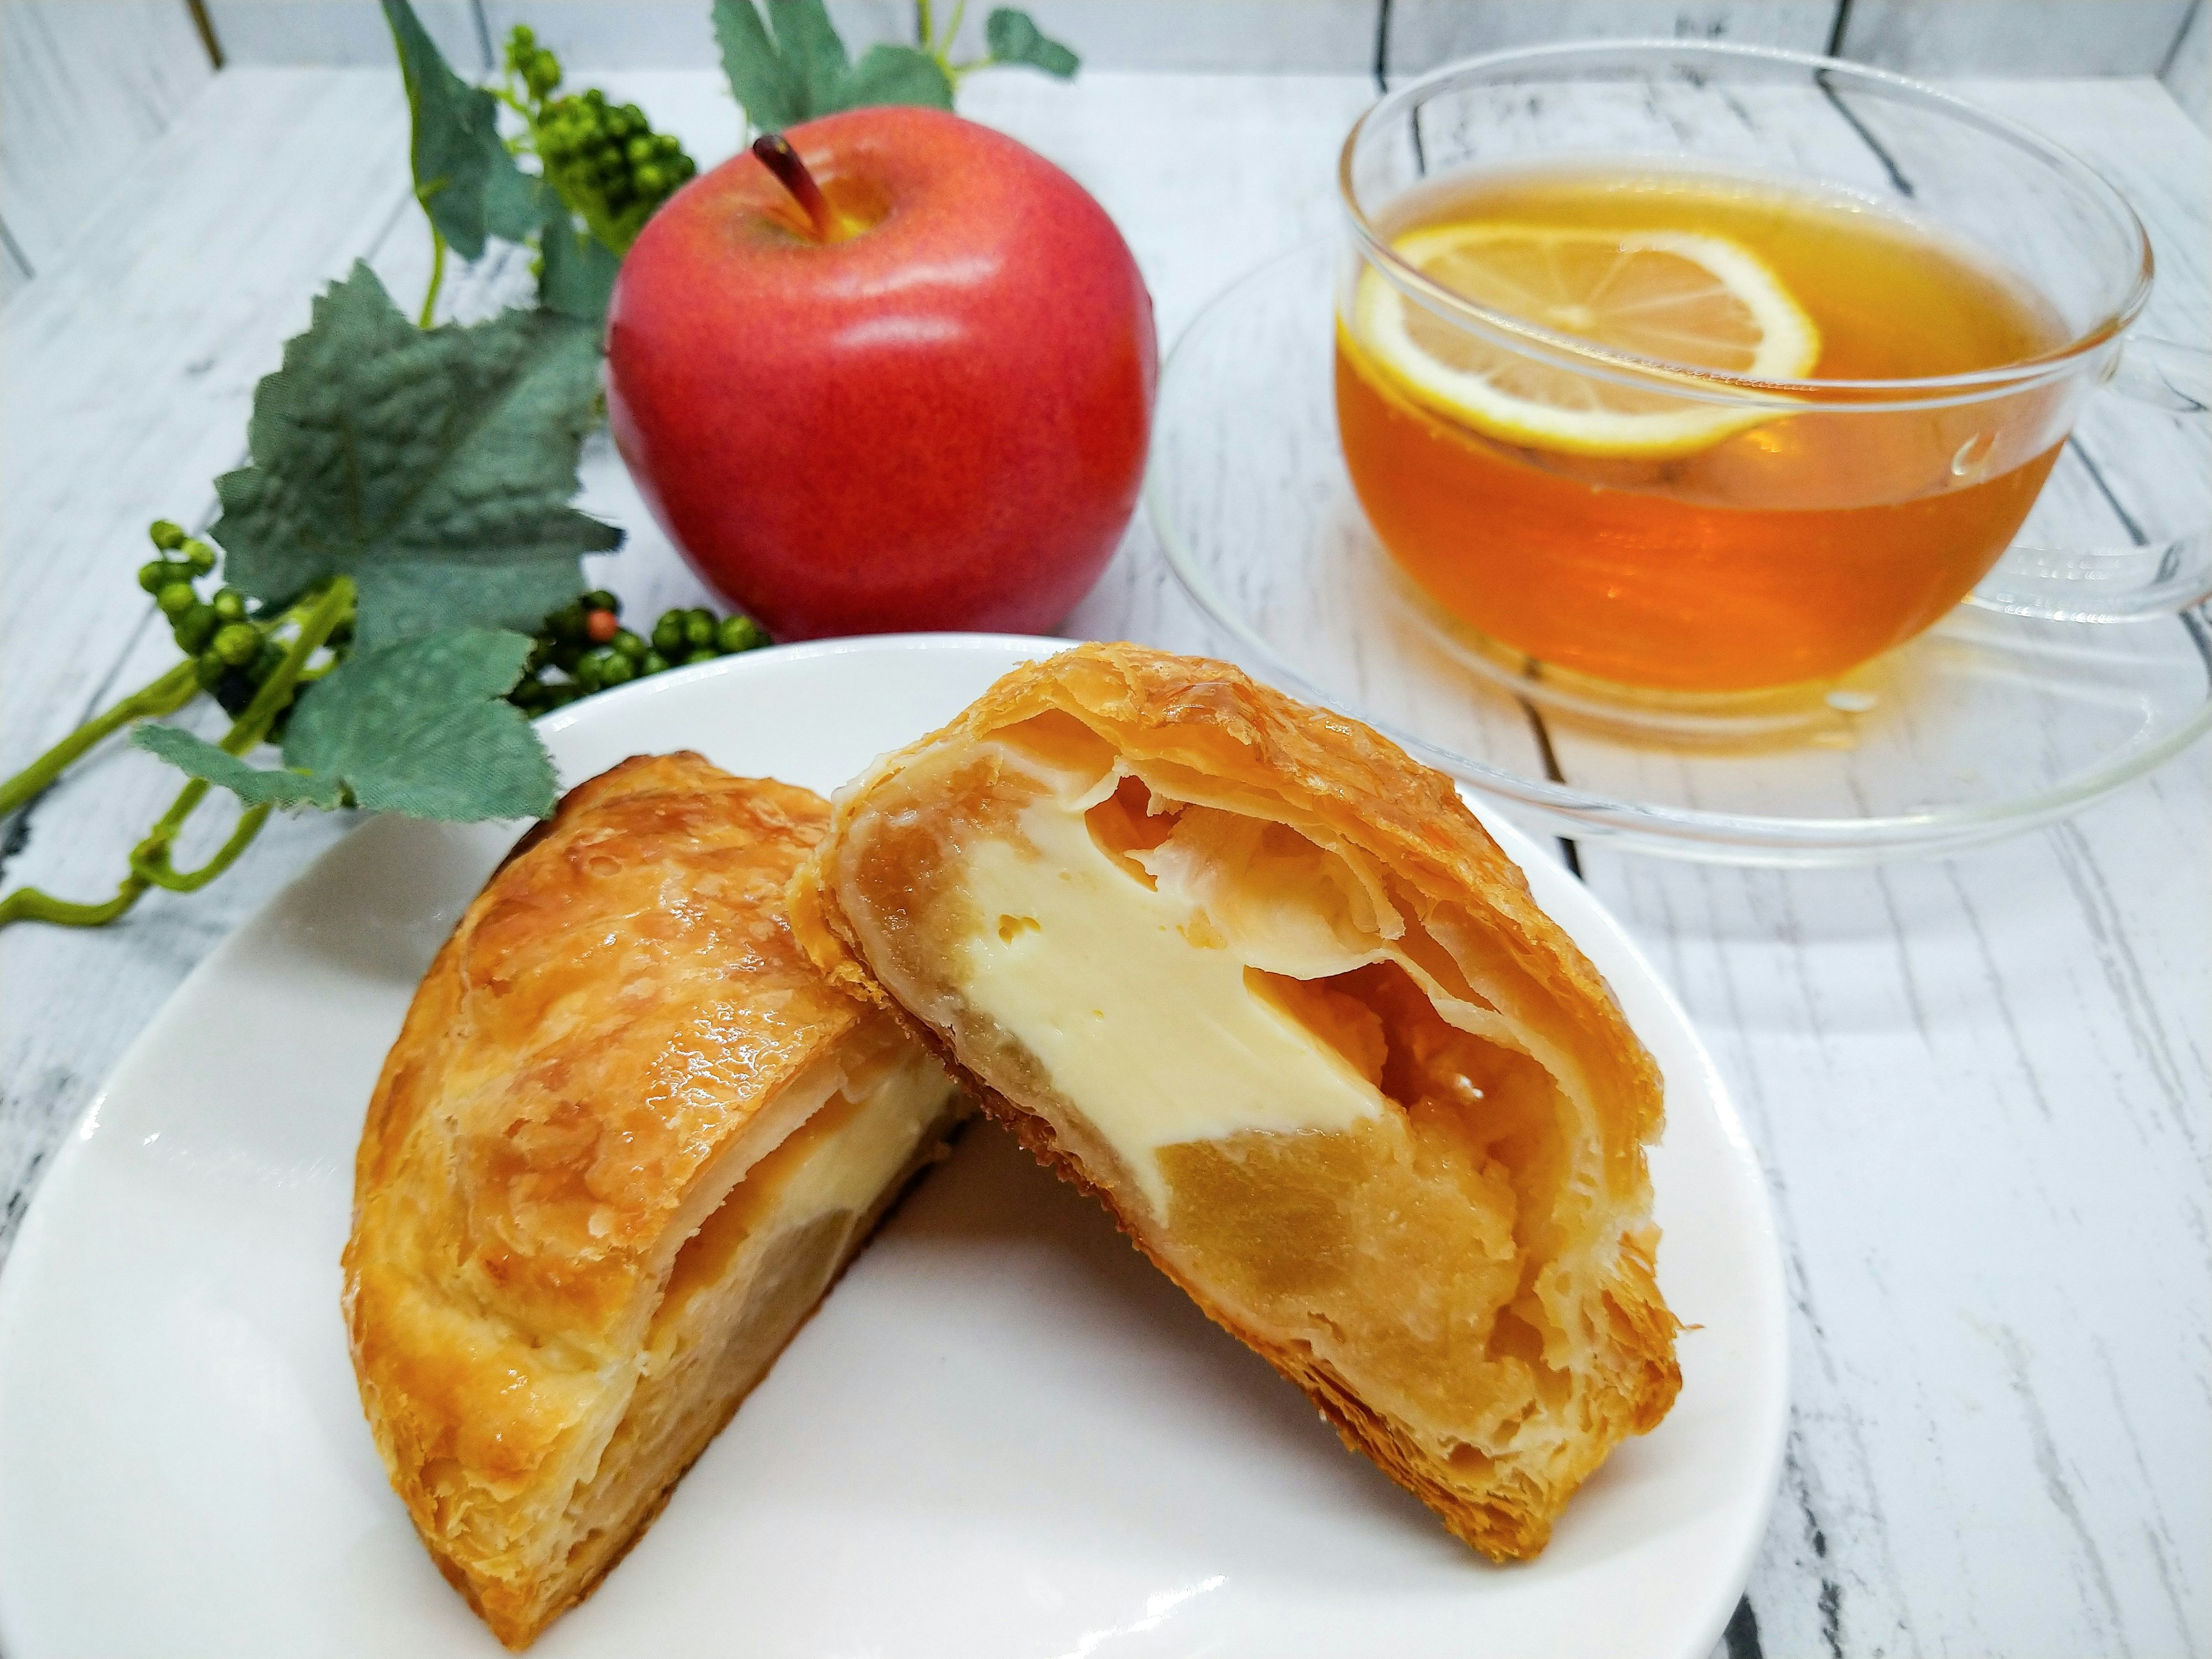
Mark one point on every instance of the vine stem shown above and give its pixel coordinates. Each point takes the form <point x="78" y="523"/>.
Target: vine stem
<point x="941" y="49"/>
<point x="151" y="864"/>
<point x="164" y="875"/>
<point x="960" y="72"/>
<point x="165" y="695"/>
<point x="437" y="277"/>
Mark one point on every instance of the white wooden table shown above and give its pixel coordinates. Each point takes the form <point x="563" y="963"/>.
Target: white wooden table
<point x="1979" y="1087"/>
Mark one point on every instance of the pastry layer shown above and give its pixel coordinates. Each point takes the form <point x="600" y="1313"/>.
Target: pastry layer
<point x="626" y="1138"/>
<point x="1264" y="985"/>
<point x="744" y="1281"/>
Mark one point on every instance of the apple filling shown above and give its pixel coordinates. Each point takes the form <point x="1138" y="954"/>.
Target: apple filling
<point x="741" y="1284"/>
<point x="1249" y="1038"/>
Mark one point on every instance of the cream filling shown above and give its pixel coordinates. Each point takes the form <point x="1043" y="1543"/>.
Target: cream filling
<point x="852" y="1166"/>
<point x="821" y="1171"/>
<point x="1134" y="1002"/>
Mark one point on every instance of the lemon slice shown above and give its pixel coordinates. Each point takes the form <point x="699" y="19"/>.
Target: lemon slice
<point x="1696" y="301"/>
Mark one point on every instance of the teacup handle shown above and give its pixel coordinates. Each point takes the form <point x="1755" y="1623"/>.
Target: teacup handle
<point x="2145" y="579"/>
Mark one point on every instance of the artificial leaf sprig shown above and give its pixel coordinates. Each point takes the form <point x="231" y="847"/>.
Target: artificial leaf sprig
<point x="434" y="466"/>
<point x="464" y="177"/>
<point x="409" y="484"/>
<point x="305" y="629"/>
<point x="786" y="63"/>
<point x="604" y="171"/>
<point x="427" y="474"/>
<point x="1012" y="39"/>
<point x="422" y="728"/>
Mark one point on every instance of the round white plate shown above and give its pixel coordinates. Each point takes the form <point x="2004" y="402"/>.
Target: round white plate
<point x="1004" y="1434"/>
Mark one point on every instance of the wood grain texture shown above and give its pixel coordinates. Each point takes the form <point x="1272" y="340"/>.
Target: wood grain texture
<point x="2187" y="72"/>
<point x="85" y="86"/>
<point x="1970" y="1083"/>
<point x="1293" y="36"/>
<point x="1424" y="34"/>
<point x="1921" y="37"/>
<point x="197" y="270"/>
<point x="1218" y="36"/>
<point x="14" y="267"/>
<point x="2013" y="36"/>
<point x="1998" y="1446"/>
<point x="275" y="183"/>
<point x="1978" y="1086"/>
<point x="334" y="34"/>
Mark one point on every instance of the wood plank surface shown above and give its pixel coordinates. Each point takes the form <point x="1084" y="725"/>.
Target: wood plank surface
<point x="1424" y="34"/>
<point x="345" y="33"/>
<point x="1916" y="37"/>
<point x="1978" y="1086"/>
<point x="15" y="266"/>
<point x="2187" y="72"/>
<point x="1231" y="36"/>
<point x="2012" y="37"/>
<point x="85" y="86"/>
<point x="1972" y="1082"/>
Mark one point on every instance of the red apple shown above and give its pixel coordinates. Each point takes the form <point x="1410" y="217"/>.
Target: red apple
<point x="933" y="416"/>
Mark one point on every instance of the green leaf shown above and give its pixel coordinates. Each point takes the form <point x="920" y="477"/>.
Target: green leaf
<point x="808" y="41"/>
<point x="579" y="278"/>
<point x="406" y="601"/>
<point x="421" y="727"/>
<point x="772" y="88"/>
<point x="1013" y="38"/>
<point x="518" y="203"/>
<point x="787" y="65"/>
<point x="424" y="727"/>
<point x="250" y="784"/>
<point x="463" y="176"/>
<point x="895" y="75"/>
<point x="434" y="467"/>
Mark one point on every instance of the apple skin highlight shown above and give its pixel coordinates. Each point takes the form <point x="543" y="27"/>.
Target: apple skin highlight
<point x="937" y="421"/>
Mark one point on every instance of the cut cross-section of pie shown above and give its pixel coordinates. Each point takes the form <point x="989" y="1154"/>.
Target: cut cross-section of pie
<point x="1264" y="985"/>
<point x="626" y="1141"/>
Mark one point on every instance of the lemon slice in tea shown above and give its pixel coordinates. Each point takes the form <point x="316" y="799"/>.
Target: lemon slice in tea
<point x="1696" y="302"/>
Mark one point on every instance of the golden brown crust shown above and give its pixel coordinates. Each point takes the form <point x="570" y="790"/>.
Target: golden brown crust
<point x="611" y="1013"/>
<point x="1203" y="732"/>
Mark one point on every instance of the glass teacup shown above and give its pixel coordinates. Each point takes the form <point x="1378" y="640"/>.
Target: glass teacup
<point x="1711" y="369"/>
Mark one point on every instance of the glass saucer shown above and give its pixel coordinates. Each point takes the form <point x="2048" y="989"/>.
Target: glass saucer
<point x="1987" y="725"/>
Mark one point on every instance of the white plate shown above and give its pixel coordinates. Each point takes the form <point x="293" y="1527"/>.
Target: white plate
<point x="1004" y="1434"/>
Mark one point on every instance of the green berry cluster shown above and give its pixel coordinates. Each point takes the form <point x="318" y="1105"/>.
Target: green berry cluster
<point x="605" y="159"/>
<point x="534" y="65"/>
<point x="608" y="165"/>
<point x="584" y="642"/>
<point x="231" y="655"/>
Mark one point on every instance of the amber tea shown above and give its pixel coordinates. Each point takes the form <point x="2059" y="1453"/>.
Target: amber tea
<point x="1755" y="515"/>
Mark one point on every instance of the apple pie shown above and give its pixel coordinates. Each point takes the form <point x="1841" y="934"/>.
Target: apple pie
<point x="1261" y="983"/>
<point x="625" y="1142"/>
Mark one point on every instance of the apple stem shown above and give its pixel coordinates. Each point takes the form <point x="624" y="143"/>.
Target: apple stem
<point x="777" y="155"/>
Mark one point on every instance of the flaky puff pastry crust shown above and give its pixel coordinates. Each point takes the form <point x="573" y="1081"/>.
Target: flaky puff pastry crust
<point x="1199" y="731"/>
<point x="607" y="1034"/>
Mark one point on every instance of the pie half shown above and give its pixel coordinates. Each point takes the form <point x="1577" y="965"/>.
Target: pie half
<point x="626" y="1141"/>
<point x="1244" y="970"/>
